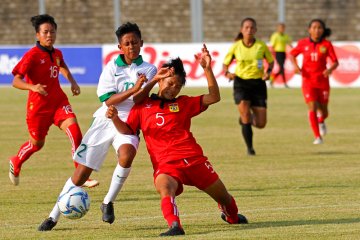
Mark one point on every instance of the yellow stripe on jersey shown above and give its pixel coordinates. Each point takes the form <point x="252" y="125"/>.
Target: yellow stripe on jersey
<point x="249" y="60"/>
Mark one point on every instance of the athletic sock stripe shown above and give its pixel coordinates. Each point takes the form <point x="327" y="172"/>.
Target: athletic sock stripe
<point x="25" y="149"/>
<point x="68" y="132"/>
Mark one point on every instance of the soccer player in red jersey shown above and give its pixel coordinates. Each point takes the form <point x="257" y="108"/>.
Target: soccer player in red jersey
<point x="177" y="159"/>
<point x="38" y="71"/>
<point x="315" y="85"/>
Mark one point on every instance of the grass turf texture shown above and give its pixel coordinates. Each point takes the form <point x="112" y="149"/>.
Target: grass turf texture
<point x="292" y="189"/>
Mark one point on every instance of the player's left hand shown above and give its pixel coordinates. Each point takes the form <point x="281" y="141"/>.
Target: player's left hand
<point x="111" y="112"/>
<point x="204" y="58"/>
<point x="327" y="73"/>
<point x="266" y="76"/>
<point x="75" y="89"/>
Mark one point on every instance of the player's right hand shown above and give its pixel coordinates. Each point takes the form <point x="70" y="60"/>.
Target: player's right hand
<point x="111" y="112"/>
<point x="141" y="80"/>
<point x="163" y="72"/>
<point x="39" y="89"/>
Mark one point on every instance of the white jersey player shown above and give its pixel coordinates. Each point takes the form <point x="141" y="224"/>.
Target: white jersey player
<point x="120" y="85"/>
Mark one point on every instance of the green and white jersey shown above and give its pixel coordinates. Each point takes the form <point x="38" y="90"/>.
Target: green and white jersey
<point x="117" y="77"/>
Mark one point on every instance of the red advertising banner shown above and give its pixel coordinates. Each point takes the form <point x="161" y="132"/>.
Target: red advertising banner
<point x="346" y="75"/>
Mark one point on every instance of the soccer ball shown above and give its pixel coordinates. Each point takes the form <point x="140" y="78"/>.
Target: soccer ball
<point x="74" y="203"/>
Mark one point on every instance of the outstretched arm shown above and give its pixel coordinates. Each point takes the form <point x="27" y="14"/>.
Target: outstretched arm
<point x="120" y="97"/>
<point x="122" y="127"/>
<point x="204" y="59"/>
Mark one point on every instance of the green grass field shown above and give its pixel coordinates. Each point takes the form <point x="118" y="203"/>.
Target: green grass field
<point x="292" y="189"/>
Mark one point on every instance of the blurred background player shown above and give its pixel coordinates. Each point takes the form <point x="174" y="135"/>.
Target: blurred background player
<point x="47" y="104"/>
<point x="278" y="41"/>
<point x="250" y="93"/>
<point x="177" y="159"/>
<point x="315" y="74"/>
<point x="119" y="85"/>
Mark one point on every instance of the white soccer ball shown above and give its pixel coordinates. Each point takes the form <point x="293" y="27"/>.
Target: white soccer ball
<point x="74" y="203"/>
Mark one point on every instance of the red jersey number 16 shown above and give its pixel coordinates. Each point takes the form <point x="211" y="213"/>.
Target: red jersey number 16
<point x="54" y="72"/>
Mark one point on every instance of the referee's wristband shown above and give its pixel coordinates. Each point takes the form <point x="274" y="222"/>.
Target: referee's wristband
<point x="269" y="71"/>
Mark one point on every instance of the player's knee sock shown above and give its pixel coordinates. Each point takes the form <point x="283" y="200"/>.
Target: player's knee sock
<point x="231" y="211"/>
<point x="118" y="179"/>
<point x="55" y="213"/>
<point x="314" y="123"/>
<point x="75" y="136"/>
<point x="321" y="118"/>
<point x="247" y="134"/>
<point x="25" y="151"/>
<point x="169" y="210"/>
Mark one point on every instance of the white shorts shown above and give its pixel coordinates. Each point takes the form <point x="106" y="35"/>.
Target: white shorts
<point x="97" y="140"/>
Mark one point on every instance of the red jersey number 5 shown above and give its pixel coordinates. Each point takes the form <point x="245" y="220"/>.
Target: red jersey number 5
<point x="160" y="120"/>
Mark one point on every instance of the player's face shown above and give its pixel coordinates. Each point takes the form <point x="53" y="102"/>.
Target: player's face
<point x="169" y="87"/>
<point x="130" y="44"/>
<point x="316" y="30"/>
<point x="248" y="30"/>
<point x="46" y="35"/>
<point x="281" y="28"/>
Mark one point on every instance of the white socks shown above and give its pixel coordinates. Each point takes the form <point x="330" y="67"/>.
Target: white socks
<point x="55" y="213"/>
<point x="118" y="179"/>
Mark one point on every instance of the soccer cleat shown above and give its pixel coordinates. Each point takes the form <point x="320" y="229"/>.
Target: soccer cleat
<point x="47" y="224"/>
<point x="318" y="140"/>
<point x="174" y="230"/>
<point x="14" y="173"/>
<point x="241" y="220"/>
<point x="108" y="212"/>
<point x="322" y="129"/>
<point x="90" y="183"/>
<point x="251" y="152"/>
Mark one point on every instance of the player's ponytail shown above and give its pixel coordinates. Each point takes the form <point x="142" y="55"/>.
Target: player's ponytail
<point x="327" y="33"/>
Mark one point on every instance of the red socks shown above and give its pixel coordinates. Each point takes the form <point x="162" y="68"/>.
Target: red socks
<point x="231" y="211"/>
<point x="169" y="210"/>
<point x="26" y="150"/>
<point x="314" y="123"/>
<point x="75" y="136"/>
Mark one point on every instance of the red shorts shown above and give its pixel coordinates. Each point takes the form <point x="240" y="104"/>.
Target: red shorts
<point x="39" y="123"/>
<point x="200" y="175"/>
<point x="320" y="95"/>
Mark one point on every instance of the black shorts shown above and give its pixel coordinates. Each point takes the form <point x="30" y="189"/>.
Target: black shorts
<point x="253" y="90"/>
<point x="280" y="58"/>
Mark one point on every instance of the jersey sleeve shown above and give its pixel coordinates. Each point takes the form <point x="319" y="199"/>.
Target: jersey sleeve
<point x="59" y="53"/>
<point x="332" y="54"/>
<point x="23" y="66"/>
<point x="133" y="120"/>
<point x="193" y="105"/>
<point x="296" y="50"/>
<point x="267" y="54"/>
<point x="230" y="55"/>
<point x="150" y="74"/>
<point x="273" y="40"/>
<point x="106" y="86"/>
